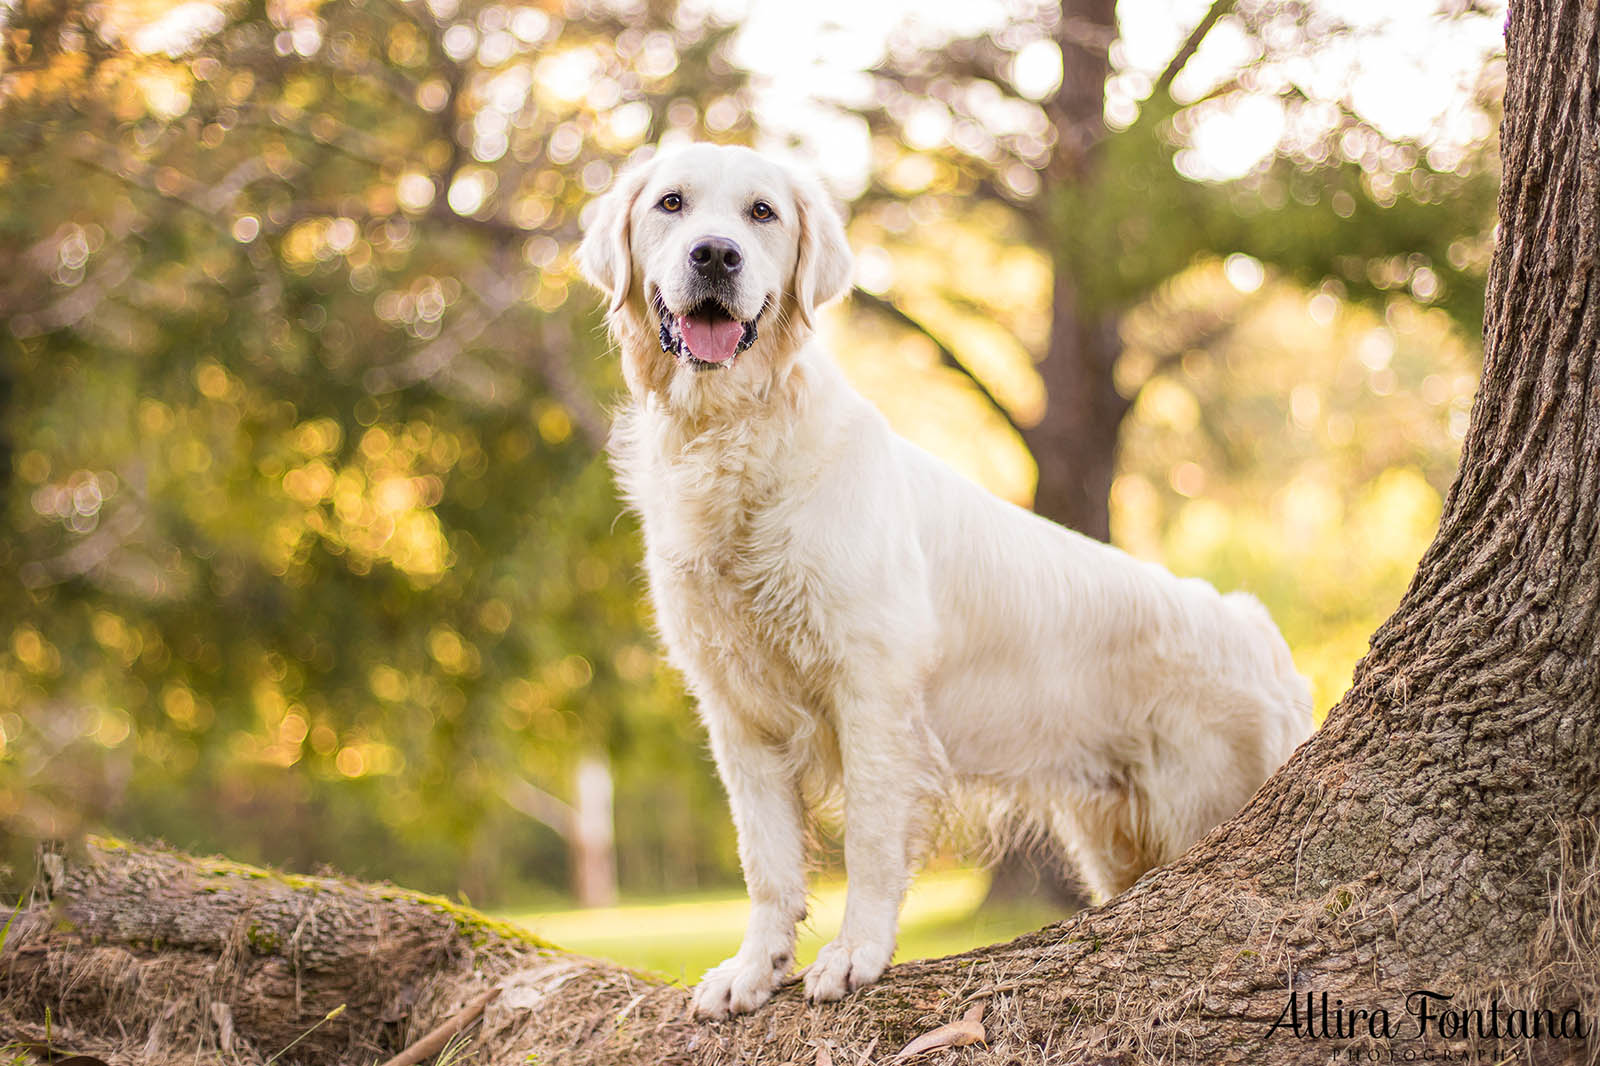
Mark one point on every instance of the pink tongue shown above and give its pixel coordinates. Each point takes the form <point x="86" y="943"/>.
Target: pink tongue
<point x="715" y="342"/>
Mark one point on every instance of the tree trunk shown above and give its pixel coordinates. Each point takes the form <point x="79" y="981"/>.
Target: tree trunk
<point x="1438" y="833"/>
<point x="594" y="846"/>
<point x="585" y="824"/>
<point x="1074" y="444"/>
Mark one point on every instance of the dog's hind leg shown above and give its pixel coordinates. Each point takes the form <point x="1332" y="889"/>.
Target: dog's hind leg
<point x="1102" y="832"/>
<point x="892" y="767"/>
<point x="766" y="812"/>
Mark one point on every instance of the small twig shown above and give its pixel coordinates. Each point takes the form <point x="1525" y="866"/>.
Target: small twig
<point x="332" y="1014"/>
<point x="5" y="931"/>
<point x="1298" y="849"/>
<point x="1191" y="45"/>
<point x="947" y="357"/>
<point x="988" y="991"/>
<point x="634" y="1002"/>
<point x="435" y="1041"/>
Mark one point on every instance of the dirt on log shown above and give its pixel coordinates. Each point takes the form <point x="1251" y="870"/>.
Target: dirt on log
<point x="1438" y="833"/>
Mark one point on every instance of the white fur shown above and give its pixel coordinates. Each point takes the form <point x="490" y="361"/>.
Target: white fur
<point x="854" y="617"/>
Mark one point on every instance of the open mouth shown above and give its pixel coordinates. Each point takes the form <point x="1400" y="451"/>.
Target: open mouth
<point x="706" y="336"/>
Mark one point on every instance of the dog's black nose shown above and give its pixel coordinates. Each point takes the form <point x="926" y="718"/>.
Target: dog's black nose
<point x="716" y="257"/>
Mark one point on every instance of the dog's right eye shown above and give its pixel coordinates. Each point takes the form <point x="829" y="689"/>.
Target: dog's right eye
<point x="671" y="202"/>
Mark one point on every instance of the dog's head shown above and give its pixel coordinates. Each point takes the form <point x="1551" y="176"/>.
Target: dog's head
<point x="717" y="257"/>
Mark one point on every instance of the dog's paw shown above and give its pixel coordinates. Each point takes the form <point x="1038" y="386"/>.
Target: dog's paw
<point x="843" y="967"/>
<point x="740" y="984"/>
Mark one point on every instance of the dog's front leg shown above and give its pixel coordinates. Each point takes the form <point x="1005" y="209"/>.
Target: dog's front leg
<point x="890" y="767"/>
<point x="767" y="814"/>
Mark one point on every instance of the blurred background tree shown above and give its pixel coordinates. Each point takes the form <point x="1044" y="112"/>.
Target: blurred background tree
<point x="309" y="554"/>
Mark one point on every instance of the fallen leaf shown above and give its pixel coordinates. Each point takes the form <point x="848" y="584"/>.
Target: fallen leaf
<point x="824" y="1057"/>
<point x="968" y="1030"/>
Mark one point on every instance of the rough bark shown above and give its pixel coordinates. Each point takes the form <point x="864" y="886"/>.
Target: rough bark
<point x="1439" y="832"/>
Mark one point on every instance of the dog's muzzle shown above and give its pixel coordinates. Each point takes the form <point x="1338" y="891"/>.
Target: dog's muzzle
<point x="707" y="336"/>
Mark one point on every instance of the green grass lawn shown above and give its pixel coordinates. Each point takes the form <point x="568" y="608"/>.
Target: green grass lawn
<point x="682" y="937"/>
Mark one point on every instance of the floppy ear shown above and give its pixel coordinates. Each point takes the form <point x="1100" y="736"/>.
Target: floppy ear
<point x="605" y="255"/>
<point x="822" y="270"/>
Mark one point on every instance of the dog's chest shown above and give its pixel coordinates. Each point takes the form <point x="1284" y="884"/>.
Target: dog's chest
<point x="738" y="605"/>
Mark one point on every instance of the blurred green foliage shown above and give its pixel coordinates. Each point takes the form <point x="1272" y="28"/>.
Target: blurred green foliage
<point x="308" y="549"/>
<point x="1304" y="457"/>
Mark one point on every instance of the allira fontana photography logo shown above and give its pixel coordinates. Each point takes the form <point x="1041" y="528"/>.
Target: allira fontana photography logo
<point x="1426" y="1014"/>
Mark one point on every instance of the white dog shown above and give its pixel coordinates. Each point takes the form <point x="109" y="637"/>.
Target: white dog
<point x="855" y="619"/>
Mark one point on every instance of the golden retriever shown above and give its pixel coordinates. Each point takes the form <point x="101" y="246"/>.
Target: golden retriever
<point x="855" y="619"/>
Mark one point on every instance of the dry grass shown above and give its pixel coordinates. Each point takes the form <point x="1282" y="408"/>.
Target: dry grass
<point x="1562" y="968"/>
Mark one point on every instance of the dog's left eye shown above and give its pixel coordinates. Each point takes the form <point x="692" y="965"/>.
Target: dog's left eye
<point x="762" y="211"/>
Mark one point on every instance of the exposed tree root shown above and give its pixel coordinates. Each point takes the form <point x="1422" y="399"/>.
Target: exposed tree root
<point x="146" y="956"/>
